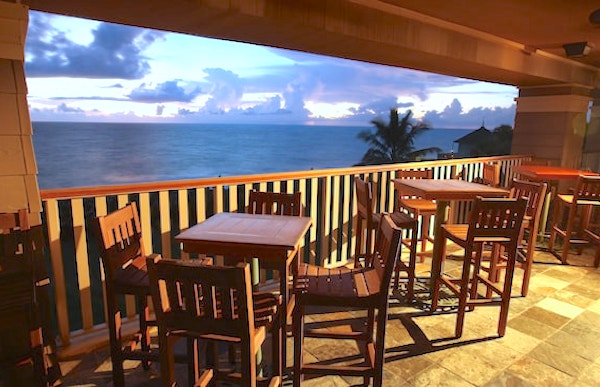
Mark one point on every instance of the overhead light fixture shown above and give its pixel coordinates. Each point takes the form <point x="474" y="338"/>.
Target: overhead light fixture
<point x="576" y="50"/>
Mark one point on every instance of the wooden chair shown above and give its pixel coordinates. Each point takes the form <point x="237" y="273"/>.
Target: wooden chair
<point x="21" y="340"/>
<point x="418" y="207"/>
<point x="365" y="205"/>
<point x="213" y="303"/>
<point x="535" y="194"/>
<point x="274" y="203"/>
<point x="119" y="238"/>
<point x="362" y="288"/>
<point x="490" y="175"/>
<point x="585" y="196"/>
<point x="495" y="221"/>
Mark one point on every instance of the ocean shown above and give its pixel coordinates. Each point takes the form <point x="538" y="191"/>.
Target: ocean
<point x="79" y="154"/>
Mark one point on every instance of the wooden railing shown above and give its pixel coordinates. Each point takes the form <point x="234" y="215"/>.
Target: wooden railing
<point x="168" y="207"/>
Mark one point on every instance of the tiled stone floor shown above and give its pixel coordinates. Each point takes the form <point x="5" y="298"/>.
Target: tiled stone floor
<point x="553" y="339"/>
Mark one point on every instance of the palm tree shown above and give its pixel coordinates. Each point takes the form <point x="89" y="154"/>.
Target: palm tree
<point x="393" y="142"/>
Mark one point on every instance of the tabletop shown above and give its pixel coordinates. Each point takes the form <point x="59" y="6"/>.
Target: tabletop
<point x="249" y="229"/>
<point x="449" y="189"/>
<point x="546" y="172"/>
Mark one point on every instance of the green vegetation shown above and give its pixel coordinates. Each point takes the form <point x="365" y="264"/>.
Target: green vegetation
<point x="393" y="142"/>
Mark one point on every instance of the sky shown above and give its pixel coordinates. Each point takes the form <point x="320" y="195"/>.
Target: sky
<point x="84" y="70"/>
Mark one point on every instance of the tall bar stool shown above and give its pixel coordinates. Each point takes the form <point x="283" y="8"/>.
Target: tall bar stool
<point x="536" y="195"/>
<point x="361" y="289"/>
<point x="496" y="221"/>
<point x="586" y="195"/>
<point x="364" y="195"/>
<point x="213" y="303"/>
<point x="418" y="207"/>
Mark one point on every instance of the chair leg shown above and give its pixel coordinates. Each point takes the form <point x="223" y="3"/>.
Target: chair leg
<point x="464" y="293"/>
<point x="412" y="264"/>
<point x="380" y="347"/>
<point x="528" y="264"/>
<point x="277" y="337"/>
<point x="248" y="365"/>
<point x="568" y="233"/>
<point x="298" y="326"/>
<point x="506" y="292"/>
<point x="114" y="331"/>
<point x="435" y="297"/>
<point x="424" y="235"/>
<point x="144" y="316"/>
<point x="553" y="228"/>
<point x="193" y="360"/>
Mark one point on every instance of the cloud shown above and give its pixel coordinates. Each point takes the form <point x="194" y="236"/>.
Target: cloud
<point x="170" y="91"/>
<point x="225" y="89"/>
<point x="453" y="116"/>
<point x="63" y="108"/>
<point x="115" y="52"/>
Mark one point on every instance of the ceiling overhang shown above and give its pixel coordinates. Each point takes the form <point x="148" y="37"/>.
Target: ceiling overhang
<point x="366" y="30"/>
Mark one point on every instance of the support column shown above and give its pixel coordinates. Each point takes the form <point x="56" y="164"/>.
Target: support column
<point x="550" y="123"/>
<point x="591" y="148"/>
<point x="18" y="169"/>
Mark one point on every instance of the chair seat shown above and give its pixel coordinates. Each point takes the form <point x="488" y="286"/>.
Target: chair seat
<point x="338" y="286"/>
<point x="133" y="279"/>
<point x="568" y="200"/>
<point x="418" y="204"/>
<point x="403" y="220"/>
<point x="458" y="234"/>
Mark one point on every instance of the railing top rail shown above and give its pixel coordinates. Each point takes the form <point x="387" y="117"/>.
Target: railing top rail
<point x="61" y="193"/>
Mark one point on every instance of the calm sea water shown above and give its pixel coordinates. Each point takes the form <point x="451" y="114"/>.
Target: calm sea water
<point x="92" y="154"/>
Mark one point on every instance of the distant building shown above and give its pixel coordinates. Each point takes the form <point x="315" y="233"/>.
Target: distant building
<point x="471" y="144"/>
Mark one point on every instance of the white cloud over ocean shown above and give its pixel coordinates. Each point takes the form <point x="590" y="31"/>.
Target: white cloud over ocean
<point x="80" y="70"/>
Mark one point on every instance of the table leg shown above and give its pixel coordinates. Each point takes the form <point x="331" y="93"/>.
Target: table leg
<point x="284" y="275"/>
<point x="436" y="261"/>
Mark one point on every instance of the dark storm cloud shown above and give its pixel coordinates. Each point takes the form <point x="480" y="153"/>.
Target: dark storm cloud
<point x="115" y="52"/>
<point x="170" y="91"/>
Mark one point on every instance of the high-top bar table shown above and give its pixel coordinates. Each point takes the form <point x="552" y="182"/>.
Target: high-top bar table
<point x="273" y="239"/>
<point x="444" y="191"/>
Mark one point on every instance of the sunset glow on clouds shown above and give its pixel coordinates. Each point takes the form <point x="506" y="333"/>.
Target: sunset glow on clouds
<point x="81" y="70"/>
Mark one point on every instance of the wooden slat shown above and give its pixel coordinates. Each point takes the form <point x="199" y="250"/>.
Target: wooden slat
<point x="144" y="210"/>
<point x="165" y="223"/>
<point x="184" y="219"/>
<point x="130" y="302"/>
<point x="101" y="210"/>
<point x="60" y="288"/>
<point x="82" y="262"/>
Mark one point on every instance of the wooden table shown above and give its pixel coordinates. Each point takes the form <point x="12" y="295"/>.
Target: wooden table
<point x="444" y="191"/>
<point x="550" y="175"/>
<point x="273" y="239"/>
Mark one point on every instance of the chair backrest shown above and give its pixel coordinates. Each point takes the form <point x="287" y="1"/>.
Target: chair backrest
<point x="497" y="220"/>
<point x="386" y="251"/>
<point x="119" y="238"/>
<point x="490" y="175"/>
<point x="587" y="189"/>
<point x="202" y="299"/>
<point x="274" y="203"/>
<point x="414" y="174"/>
<point x="534" y="192"/>
<point x="364" y="199"/>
